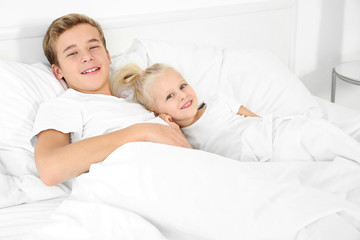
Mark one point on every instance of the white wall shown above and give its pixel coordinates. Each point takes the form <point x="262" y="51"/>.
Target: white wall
<point x="328" y="33"/>
<point x="20" y="12"/>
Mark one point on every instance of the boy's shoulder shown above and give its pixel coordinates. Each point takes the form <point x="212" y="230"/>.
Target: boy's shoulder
<point x="73" y="95"/>
<point x="65" y="98"/>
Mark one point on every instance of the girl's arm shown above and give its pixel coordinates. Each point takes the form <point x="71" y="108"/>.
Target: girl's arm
<point x="246" y="112"/>
<point x="57" y="160"/>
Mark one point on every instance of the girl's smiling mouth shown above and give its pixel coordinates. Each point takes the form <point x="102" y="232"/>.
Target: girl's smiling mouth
<point x="186" y="105"/>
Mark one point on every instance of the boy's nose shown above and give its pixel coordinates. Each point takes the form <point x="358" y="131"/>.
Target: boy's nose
<point x="87" y="57"/>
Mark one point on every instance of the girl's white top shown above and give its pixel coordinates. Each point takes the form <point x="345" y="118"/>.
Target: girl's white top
<point x="222" y="131"/>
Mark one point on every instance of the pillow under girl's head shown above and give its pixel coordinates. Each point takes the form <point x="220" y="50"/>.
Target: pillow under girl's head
<point x="254" y="78"/>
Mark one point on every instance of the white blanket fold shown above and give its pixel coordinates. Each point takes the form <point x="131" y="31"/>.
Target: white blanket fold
<point x="191" y="194"/>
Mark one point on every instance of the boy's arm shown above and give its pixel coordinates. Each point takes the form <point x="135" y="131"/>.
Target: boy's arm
<point x="246" y="112"/>
<point x="57" y="160"/>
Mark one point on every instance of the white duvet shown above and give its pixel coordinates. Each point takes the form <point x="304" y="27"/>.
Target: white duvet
<point x="155" y="191"/>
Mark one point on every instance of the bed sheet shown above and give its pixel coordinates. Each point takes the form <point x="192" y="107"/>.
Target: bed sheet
<point x="17" y="221"/>
<point x="345" y="118"/>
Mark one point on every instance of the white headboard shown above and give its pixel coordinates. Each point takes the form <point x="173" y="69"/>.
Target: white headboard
<point x="262" y="24"/>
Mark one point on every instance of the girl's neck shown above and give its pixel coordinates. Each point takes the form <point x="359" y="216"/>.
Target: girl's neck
<point x="197" y="116"/>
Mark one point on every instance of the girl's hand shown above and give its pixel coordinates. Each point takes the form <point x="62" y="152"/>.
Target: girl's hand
<point x="246" y="112"/>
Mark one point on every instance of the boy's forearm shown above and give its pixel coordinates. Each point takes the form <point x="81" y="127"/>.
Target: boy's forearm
<point x="58" y="162"/>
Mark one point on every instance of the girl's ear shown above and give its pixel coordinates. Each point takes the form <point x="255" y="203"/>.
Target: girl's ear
<point x="57" y="71"/>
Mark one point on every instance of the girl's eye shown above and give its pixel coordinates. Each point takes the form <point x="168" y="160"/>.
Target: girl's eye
<point x="92" y="47"/>
<point x="169" y="96"/>
<point x="182" y="86"/>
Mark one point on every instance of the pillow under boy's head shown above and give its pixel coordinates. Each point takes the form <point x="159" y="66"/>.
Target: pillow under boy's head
<point x="22" y="88"/>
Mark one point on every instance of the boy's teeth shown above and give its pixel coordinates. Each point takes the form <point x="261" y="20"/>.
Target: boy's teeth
<point x="90" y="70"/>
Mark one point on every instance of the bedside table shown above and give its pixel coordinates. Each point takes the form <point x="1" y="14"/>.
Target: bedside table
<point x="346" y="71"/>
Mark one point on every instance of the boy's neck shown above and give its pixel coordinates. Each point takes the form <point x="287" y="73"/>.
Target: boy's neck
<point x="103" y="92"/>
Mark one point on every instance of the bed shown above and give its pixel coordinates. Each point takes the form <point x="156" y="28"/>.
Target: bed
<point x="180" y="193"/>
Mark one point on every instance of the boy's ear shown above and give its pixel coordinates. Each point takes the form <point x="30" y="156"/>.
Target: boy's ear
<point x="108" y="54"/>
<point x="57" y="71"/>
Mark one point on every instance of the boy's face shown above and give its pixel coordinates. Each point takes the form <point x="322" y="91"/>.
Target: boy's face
<point x="83" y="60"/>
<point x="174" y="96"/>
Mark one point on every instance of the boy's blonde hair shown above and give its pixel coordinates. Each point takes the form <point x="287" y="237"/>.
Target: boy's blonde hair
<point x="62" y="24"/>
<point x="131" y="75"/>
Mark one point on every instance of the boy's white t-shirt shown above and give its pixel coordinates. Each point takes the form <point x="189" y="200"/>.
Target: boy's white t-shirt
<point x="87" y="115"/>
<point x="222" y="131"/>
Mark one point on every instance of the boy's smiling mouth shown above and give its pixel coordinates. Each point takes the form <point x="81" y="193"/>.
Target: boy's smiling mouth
<point x="90" y="70"/>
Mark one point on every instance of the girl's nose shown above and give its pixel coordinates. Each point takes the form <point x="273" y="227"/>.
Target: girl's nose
<point x="182" y="95"/>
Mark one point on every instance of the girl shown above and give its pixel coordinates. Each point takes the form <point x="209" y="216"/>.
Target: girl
<point x="229" y="130"/>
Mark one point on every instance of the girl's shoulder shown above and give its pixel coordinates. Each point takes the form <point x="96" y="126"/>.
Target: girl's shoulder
<point x="222" y="102"/>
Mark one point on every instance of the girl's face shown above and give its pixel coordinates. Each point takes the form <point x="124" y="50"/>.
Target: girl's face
<point x="84" y="61"/>
<point x="172" y="95"/>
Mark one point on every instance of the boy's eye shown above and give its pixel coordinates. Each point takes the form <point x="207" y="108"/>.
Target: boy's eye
<point x="182" y="86"/>
<point x="71" y="54"/>
<point x="169" y="96"/>
<point x="92" y="47"/>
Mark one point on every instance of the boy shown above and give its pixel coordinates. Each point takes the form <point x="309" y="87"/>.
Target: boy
<point x="68" y="140"/>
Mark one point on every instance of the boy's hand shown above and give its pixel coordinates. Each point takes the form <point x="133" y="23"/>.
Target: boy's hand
<point x="168" y="119"/>
<point x="161" y="133"/>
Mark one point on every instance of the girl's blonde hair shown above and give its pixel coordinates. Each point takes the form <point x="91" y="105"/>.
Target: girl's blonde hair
<point x="132" y="76"/>
<point x="59" y="26"/>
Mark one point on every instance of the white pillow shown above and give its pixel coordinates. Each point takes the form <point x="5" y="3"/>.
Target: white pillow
<point x="135" y="54"/>
<point x="200" y="66"/>
<point x="22" y="88"/>
<point x="261" y="82"/>
<point x="254" y="78"/>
